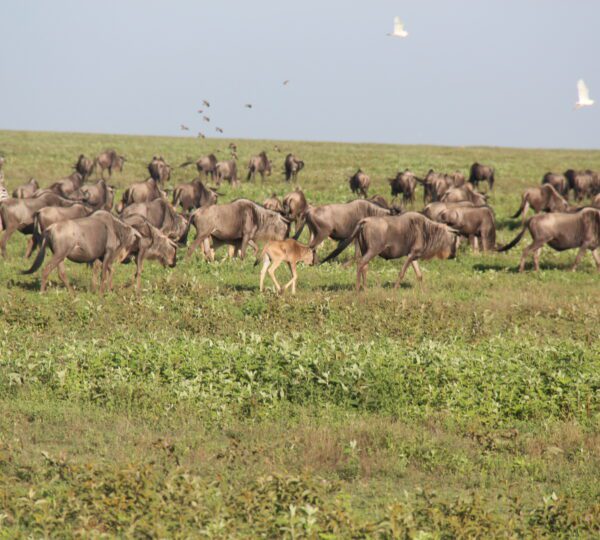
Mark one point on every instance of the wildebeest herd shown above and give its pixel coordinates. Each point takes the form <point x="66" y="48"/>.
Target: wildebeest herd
<point x="76" y="218"/>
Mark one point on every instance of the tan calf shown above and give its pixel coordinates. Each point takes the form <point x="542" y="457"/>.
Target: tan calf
<point x="290" y="251"/>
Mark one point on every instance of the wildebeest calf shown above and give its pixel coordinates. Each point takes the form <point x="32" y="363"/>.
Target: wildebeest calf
<point x="289" y="251"/>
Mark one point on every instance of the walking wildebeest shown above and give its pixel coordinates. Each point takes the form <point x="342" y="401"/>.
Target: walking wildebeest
<point x="227" y="170"/>
<point x="193" y="195"/>
<point x="277" y="251"/>
<point x="27" y="190"/>
<point x="162" y="215"/>
<point x="260" y="164"/>
<point x="583" y="183"/>
<point x="481" y="173"/>
<point x="159" y="170"/>
<point x="273" y="203"/>
<point x="84" y="166"/>
<point x="140" y="192"/>
<point x="99" y="237"/>
<point x="292" y="165"/>
<point x="206" y="165"/>
<point x="153" y="245"/>
<point x="464" y="193"/>
<point x="409" y="235"/>
<point x="109" y="160"/>
<point x="541" y="199"/>
<point x="405" y="183"/>
<point x="295" y="206"/>
<point x="359" y="183"/>
<point x="472" y="222"/>
<point x="240" y="221"/>
<point x="561" y="231"/>
<point x="558" y="181"/>
<point x="18" y="215"/>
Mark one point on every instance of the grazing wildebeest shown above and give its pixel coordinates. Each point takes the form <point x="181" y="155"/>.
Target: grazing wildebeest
<point x="84" y="166"/>
<point x="99" y="237"/>
<point x="140" y="192"/>
<point x="359" y="183"/>
<point x="18" y="215"/>
<point x="100" y="195"/>
<point x="227" y="170"/>
<point x="583" y="183"/>
<point x="542" y="199"/>
<point x="162" y="215"/>
<point x="273" y="203"/>
<point x="405" y="183"/>
<point x="27" y="190"/>
<point x="337" y="221"/>
<point x="109" y="160"/>
<point x="67" y="187"/>
<point x="481" y="173"/>
<point x="472" y="222"/>
<point x="289" y="251"/>
<point x="159" y="170"/>
<point x="464" y="193"/>
<point x="561" y="231"/>
<point x="237" y="222"/>
<point x="292" y="165"/>
<point x="152" y="245"/>
<point x="295" y="206"/>
<point x="409" y="235"/>
<point x="558" y="181"/>
<point x="260" y="164"/>
<point x="206" y="165"/>
<point x="193" y="195"/>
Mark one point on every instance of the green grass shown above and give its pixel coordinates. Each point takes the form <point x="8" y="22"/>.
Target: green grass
<point x="468" y="407"/>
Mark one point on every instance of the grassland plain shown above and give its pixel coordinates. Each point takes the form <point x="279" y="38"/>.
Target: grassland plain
<point x="468" y="407"/>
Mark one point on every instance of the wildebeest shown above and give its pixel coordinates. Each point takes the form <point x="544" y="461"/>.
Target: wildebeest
<point x="558" y="181"/>
<point x="292" y="166"/>
<point x="273" y="203"/>
<point x="289" y="251"/>
<point x="18" y="214"/>
<point x="481" y="173"/>
<point x="67" y="186"/>
<point x="596" y="201"/>
<point x="100" y="195"/>
<point x="583" y="183"/>
<point x="206" y="165"/>
<point x="140" y="192"/>
<point x="237" y="222"/>
<point x="405" y="183"/>
<point x="161" y="214"/>
<point x="434" y="210"/>
<point x="99" y="237"/>
<point x="193" y="195"/>
<point x="152" y="245"/>
<point x="227" y="170"/>
<point x="472" y="222"/>
<point x="561" y="231"/>
<point x="109" y="160"/>
<point x="542" y="199"/>
<point x="84" y="166"/>
<point x="295" y="206"/>
<point x="434" y="186"/>
<point x="159" y="169"/>
<point x="464" y="193"/>
<point x="409" y="235"/>
<point x="260" y="164"/>
<point x="457" y="178"/>
<point x="27" y="190"/>
<point x="359" y="183"/>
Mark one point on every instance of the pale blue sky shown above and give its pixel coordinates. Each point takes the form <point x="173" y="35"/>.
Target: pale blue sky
<point x="472" y="72"/>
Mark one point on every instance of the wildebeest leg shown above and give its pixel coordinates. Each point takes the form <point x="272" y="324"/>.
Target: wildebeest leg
<point x="263" y="272"/>
<point x="417" y="270"/>
<point x="194" y="245"/>
<point x="292" y="281"/>
<point x="105" y="273"/>
<point x="63" y="276"/>
<point x="580" y="255"/>
<point x="5" y="238"/>
<point x="30" y="245"/>
<point x="95" y="268"/>
<point x="531" y="247"/>
<point x="405" y="266"/>
<point x="536" y="258"/>
<point x="596" y="255"/>
<point x="271" y="272"/>
<point x="54" y="262"/>
<point x="361" y="270"/>
<point x="474" y="243"/>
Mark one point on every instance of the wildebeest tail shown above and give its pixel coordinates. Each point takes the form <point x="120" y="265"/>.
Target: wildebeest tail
<point x="40" y="256"/>
<point x="186" y="163"/>
<point x="344" y="243"/>
<point x="514" y="241"/>
<point x="250" y="171"/>
<point x="516" y="214"/>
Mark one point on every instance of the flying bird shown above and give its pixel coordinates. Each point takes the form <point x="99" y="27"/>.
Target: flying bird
<point x="583" y="95"/>
<point x="248" y="105"/>
<point x="218" y="130"/>
<point x="199" y="111"/>
<point x="206" y="103"/>
<point x="286" y="82"/>
<point x="201" y="135"/>
<point x="184" y="128"/>
<point x="206" y="118"/>
<point x="398" y="29"/>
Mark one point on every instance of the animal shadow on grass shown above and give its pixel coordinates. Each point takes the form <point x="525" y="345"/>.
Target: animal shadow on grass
<point x="24" y="285"/>
<point x="514" y="269"/>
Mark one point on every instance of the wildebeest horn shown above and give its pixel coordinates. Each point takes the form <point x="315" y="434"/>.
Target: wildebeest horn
<point x="285" y="219"/>
<point x="452" y="230"/>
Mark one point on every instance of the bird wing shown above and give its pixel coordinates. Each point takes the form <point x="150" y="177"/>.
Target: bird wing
<point x="398" y="26"/>
<point x="582" y="91"/>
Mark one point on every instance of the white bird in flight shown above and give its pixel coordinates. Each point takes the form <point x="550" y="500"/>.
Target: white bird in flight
<point x="398" y="29"/>
<point x="583" y="95"/>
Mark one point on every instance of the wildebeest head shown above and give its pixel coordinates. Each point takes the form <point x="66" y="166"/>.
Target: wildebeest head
<point x="162" y="249"/>
<point x="118" y="163"/>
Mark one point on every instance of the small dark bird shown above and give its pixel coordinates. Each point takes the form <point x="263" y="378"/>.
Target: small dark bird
<point x="201" y="135"/>
<point x="206" y="103"/>
<point x="200" y="111"/>
<point x="218" y="130"/>
<point x="248" y="105"/>
<point x="286" y="82"/>
<point x="206" y="118"/>
<point x="184" y="128"/>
